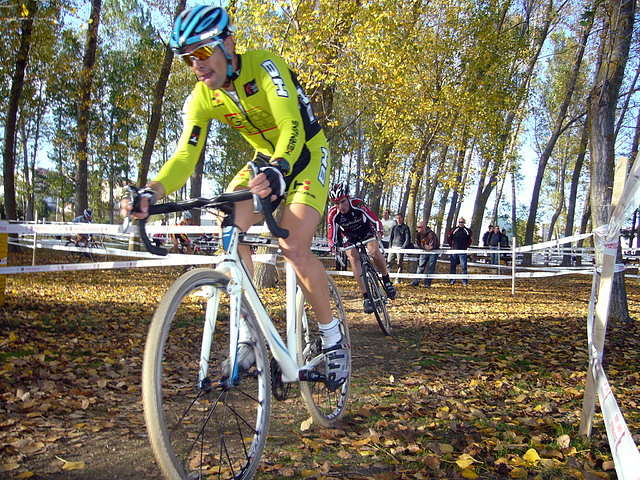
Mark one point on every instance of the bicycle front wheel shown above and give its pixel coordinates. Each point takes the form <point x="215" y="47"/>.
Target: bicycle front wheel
<point x="326" y="407"/>
<point x="201" y="425"/>
<point x="379" y="298"/>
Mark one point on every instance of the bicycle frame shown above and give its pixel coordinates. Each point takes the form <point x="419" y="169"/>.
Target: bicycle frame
<point x="241" y="283"/>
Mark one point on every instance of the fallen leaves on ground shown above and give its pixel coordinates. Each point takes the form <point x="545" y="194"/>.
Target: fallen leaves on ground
<point x="475" y="382"/>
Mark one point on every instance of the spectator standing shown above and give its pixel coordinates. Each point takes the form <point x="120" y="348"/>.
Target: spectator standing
<point x="504" y="243"/>
<point x="485" y="237"/>
<point x="494" y="241"/>
<point x="459" y="238"/>
<point x="387" y="225"/>
<point x="429" y="241"/>
<point x="400" y="237"/>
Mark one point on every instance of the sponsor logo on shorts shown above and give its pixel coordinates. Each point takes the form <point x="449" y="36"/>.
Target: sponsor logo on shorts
<point x="306" y="185"/>
<point x="324" y="165"/>
<point x="302" y="188"/>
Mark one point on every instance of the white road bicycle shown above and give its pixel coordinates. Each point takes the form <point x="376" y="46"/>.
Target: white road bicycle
<point x="206" y="416"/>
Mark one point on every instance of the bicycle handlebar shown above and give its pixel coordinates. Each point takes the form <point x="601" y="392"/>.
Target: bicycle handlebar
<point x="357" y="244"/>
<point x="222" y="202"/>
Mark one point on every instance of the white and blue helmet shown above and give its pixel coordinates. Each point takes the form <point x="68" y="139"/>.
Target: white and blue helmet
<point x="199" y="23"/>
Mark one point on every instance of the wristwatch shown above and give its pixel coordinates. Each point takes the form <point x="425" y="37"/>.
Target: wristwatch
<point x="281" y="164"/>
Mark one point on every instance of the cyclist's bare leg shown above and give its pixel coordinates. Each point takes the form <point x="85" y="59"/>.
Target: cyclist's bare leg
<point x="312" y="277"/>
<point x="378" y="258"/>
<point x="356" y="267"/>
<point x="303" y="220"/>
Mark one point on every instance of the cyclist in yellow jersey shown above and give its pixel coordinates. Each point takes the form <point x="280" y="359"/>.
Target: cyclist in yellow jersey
<point x="257" y="94"/>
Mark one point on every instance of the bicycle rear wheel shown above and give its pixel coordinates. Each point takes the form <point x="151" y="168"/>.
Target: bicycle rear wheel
<point x="379" y="298"/>
<point x="71" y="256"/>
<point x="210" y="428"/>
<point x="326" y="407"/>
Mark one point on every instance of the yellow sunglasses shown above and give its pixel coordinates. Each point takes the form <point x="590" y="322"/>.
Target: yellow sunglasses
<point x="201" y="53"/>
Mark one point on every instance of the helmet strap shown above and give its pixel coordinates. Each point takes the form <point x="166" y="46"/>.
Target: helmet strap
<point x="231" y="75"/>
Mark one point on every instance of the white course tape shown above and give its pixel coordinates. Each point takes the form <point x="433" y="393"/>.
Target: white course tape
<point x="149" y="260"/>
<point x="552" y="243"/>
<point x="625" y="453"/>
<point x="71" y="228"/>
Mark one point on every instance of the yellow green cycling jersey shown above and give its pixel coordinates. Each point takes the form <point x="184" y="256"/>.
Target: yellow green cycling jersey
<point x="269" y="108"/>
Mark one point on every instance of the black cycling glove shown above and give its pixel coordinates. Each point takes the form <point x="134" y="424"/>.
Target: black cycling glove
<point x="275" y="172"/>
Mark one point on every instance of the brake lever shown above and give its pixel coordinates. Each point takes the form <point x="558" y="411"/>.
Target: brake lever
<point x="257" y="203"/>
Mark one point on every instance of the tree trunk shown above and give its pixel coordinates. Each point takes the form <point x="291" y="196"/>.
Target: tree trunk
<point x="433" y="182"/>
<point x="17" y="84"/>
<point x="196" y="177"/>
<point x="560" y="206"/>
<point x="413" y="184"/>
<point x="86" y="82"/>
<point x="602" y="104"/>
<point x="558" y="128"/>
<point x="625" y="108"/>
<point x="458" y="192"/>
<point x="156" y="109"/>
<point x="573" y="193"/>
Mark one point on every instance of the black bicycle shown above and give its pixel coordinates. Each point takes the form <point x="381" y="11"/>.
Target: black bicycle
<point x="91" y="249"/>
<point x="373" y="285"/>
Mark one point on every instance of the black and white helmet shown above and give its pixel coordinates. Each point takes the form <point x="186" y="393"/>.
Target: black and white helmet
<point x="338" y="192"/>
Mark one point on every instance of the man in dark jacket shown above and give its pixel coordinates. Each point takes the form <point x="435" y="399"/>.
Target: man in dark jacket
<point x="460" y="238"/>
<point x="429" y="241"/>
<point x="485" y="237"/>
<point x="400" y="237"/>
<point x="494" y="241"/>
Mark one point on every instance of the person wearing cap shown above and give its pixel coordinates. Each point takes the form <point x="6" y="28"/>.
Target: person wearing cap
<point x="459" y="238"/>
<point x="257" y="94"/>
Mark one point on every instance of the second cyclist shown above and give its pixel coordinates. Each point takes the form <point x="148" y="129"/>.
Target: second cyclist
<point x="351" y="221"/>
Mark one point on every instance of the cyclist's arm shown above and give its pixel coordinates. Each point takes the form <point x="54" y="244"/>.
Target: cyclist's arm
<point x="175" y="173"/>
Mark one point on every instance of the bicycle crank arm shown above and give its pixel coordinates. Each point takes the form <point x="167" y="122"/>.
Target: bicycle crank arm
<point x="311" y="376"/>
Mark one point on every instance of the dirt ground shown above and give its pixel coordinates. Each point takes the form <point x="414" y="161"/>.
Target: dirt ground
<point x="468" y="371"/>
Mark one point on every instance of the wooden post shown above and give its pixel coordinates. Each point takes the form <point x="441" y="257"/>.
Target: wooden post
<point x="4" y="261"/>
<point x="607" y="263"/>
<point x="513" y="265"/>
